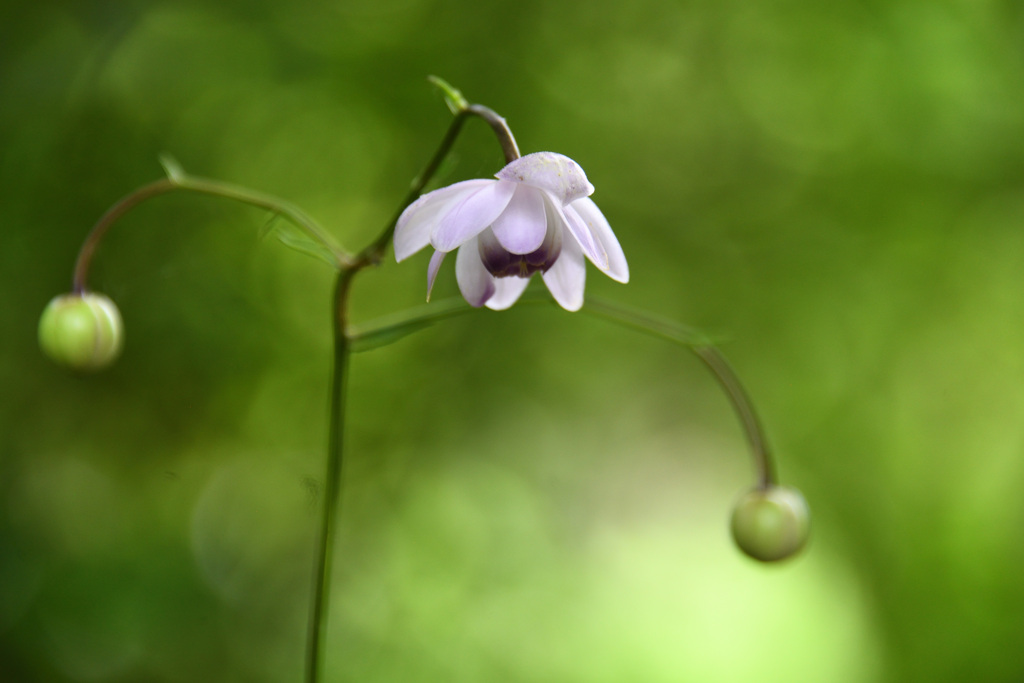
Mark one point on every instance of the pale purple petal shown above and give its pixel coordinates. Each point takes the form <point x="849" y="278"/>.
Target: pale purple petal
<point x="522" y="225"/>
<point x="567" y="278"/>
<point x="468" y="217"/>
<point x="435" y="265"/>
<point x="591" y="216"/>
<point x="579" y="230"/>
<point x="418" y="221"/>
<point x="475" y="283"/>
<point x="507" y="291"/>
<point x="551" y="172"/>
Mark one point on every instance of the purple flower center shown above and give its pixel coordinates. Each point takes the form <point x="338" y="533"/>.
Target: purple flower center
<point x="500" y="262"/>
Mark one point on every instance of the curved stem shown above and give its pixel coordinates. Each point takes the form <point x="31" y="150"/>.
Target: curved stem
<point x="744" y="407"/>
<point x="500" y="128"/>
<point x="375" y="251"/>
<point x="273" y="204"/>
<point x="392" y="328"/>
<point x="330" y="512"/>
<point x="80" y="278"/>
<point x="201" y="186"/>
<point x="715" y="361"/>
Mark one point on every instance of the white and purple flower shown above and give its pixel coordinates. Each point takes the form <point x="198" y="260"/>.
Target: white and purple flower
<point x="536" y="217"/>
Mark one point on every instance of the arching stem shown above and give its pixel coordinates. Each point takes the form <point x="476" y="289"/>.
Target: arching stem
<point x="395" y="327"/>
<point x="80" y="278"/>
<point x="216" y="188"/>
<point x="715" y="361"/>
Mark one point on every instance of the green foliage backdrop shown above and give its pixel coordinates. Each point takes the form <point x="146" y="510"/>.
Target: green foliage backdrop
<point x="836" y="188"/>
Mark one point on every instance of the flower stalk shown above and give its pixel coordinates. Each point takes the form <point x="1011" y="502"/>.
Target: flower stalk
<point x="178" y="180"/>
<point x="392" y="328"/>
<point x="715" y="361"/>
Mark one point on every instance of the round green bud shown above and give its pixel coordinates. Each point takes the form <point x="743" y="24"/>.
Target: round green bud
<point x="771" y="524"/>
<point x="81" y="331"/>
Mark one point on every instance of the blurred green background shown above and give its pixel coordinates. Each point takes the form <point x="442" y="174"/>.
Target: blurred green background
<point x="836" y="188"/>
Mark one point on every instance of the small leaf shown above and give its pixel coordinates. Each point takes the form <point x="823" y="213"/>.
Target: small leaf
<point x="175" y="173"/>
<point x="391" y="328"/>
<point x="378" y="338"/>
<point x="452" y="97"/>
<point x="294" y="238"/>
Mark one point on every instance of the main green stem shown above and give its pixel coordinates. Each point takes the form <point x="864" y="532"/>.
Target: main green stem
<point x="330" y="511"/>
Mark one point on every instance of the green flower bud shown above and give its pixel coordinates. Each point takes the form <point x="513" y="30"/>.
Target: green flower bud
<point x="81" y="331"/>
<point x="771" y="524"/>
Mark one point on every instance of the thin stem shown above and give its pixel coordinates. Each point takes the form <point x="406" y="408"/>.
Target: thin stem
<point x="273" y="204"/>
<point x="330" y="512"/>
<point x="715" y="361"/>
<point x="202" y="186"/>
<point x="647" y="323"/>
<point x="744" y="407"/>
<point x="80" y="278"/>
<point x="500" y="128"/>
<point x="375" y="251"/>
<point x="392" y="328"/>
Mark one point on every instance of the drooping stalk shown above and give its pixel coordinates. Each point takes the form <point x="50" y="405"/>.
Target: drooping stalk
<point x="744" y="407"/>
<point x="714" y="360"/>
<point x="375" y="251"/>
<point x="216" y="188"/>
<point x="394" y="327"/>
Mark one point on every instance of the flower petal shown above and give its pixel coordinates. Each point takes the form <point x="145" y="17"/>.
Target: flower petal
<point x="469" y="216"/>
<point x="579" y="230"/>
<point x="586" y="209"/>
<point x="554" y="173"/>
<point x="568" y="277"/>
<point x="435" y="265"/>
<point x="521" y="227"/>
<point x="418" y="221"/>
<point x="475" y="283"/>
<point x="507" y="291"/>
